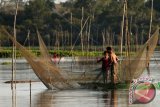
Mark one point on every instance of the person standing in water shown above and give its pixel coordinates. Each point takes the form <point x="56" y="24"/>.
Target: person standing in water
<point x="105" y="66"/>
<point x="114" y="64"/>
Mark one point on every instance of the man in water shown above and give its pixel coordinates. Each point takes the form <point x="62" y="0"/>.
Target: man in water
<point x="113" y="68"/>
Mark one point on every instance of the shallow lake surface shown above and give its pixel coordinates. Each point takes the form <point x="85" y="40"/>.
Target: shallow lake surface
<point x="40" y="96"/>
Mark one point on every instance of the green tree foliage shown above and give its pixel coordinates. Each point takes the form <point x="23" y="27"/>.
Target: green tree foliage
<point x="38" y="11"/>
<point x="104" y="16"/>
<point x="156" y="6"/>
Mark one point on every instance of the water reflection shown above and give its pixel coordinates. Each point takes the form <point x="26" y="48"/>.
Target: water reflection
<point x="77" y="98"/>
<point x="110" y="99"/>
<point x="113" y="102"/>
<point x="13" y="98"/>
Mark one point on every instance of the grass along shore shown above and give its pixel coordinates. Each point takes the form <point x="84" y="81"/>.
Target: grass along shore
<point x="6" y="52"/>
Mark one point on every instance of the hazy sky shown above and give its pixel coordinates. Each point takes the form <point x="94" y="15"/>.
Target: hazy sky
<point x="58" y="1"/>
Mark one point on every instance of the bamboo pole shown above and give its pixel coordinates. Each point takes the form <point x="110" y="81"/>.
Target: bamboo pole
<point x="30" y="82"/>
<point x="130" y="33"/>
<point x="71" y="41"/>
<point x="103" y="39"/>
<point x="81" y="32"/>
<point x="136" y="40"/>
<point x="142" y="37"/>
<point x="150" y="27"/>
<point x="71" y="31"/>
<point x="108" y="37"/>
<point x="89" y="34"/>
<point x="126" y="30"/>
<point x="127" y="35"/>
<point x="14" y="49"/>
<point x="30" y="94"/>
<point x="127" y="39"/>
<point x="122" y="28"/>
<point x="68" y="43"/>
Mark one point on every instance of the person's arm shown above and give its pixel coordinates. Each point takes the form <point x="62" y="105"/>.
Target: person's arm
<point x="99" y="60"/>
<point x="115" y="58"/>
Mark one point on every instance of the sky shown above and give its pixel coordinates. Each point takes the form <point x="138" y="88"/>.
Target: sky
<point x="58" y="1"/>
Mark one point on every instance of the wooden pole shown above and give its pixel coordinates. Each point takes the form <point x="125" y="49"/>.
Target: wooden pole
<point x="122" y="28"/>
<point x="150" y="27"/>
<point x="103" y="39"/>
<point x="88" y="36"/>
<point x="126" y="30"/>
<point x="130" y="33"/>
<point x="30" y="94"/>
<point x="136" y="40"/>
<point x="14" y="49"/>
<point x="71" y="31"/>
<point x="81" y="32"/>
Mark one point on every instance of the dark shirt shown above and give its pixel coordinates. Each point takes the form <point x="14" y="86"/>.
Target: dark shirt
<point x="105" y="63"/>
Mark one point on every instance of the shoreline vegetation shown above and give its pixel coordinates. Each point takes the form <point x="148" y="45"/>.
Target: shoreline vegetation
<point x="6" y="52"/>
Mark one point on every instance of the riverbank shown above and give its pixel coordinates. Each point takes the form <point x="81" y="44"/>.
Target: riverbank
<point x="6" y="52"/>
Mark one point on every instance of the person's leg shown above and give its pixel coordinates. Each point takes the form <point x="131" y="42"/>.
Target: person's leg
<point x="112" y="74"/>
<point x="97" y="77"/>
<point x="116" y="72"/>
<point x="104" y="77"/>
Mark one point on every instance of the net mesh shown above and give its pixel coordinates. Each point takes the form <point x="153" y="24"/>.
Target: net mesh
<point x="48" y="62"/>
<point x="48" y="73"/>
<point x="53" y="77"/>
<point x="132" y="67"/>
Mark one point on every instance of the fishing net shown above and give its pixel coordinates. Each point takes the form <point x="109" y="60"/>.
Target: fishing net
<point x="47" y="60"/>
<point x="74" y="77"/>
<point x="133" y="66"/>
<point x="48" y="73"/>
<point x="53" y="77"/>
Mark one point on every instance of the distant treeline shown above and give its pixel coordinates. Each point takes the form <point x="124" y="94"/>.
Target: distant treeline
<point x="79" y="22"/>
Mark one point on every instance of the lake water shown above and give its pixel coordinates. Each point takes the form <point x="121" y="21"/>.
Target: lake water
<point x="40" y="96"/>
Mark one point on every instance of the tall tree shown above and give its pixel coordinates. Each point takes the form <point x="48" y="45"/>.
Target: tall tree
<point x="38" y="12"/>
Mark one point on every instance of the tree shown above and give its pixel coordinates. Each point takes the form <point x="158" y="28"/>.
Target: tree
<point x="38" y="11"/>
